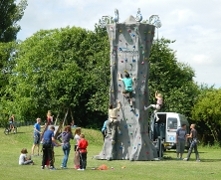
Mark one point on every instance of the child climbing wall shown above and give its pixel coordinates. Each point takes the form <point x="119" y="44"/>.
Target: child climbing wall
<point x="130" y="48"/>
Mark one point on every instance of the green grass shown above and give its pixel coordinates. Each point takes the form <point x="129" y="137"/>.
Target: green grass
<point x="169" y="168"/>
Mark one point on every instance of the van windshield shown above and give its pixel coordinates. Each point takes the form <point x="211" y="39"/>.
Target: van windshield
<point x="172" y="124"/>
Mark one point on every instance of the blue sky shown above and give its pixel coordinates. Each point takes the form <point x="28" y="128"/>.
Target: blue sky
<point x="194" y="24"/>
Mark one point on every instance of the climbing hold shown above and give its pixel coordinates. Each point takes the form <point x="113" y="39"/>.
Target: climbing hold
<point x="129" y="30"/>
<point x="141" y="46"/>
<point x="147" y="152"/>
<point x="135" y="147"/>
<point x="149" y="32"/>
<point x="120" y="30"/>
<point x="119" y="85"/>
<point x="134" y="47"/>
<point x="128" y="142"/>
<point x="122" y="61"/>
<point x="126" y="44"/>
<point x="134" y="60"/>
<point x="120" y="49"/>
<point x="142" y="62"/>
<point x="126" y="60"/>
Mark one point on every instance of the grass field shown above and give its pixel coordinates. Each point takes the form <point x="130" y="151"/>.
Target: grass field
<point x="169" y="168"/>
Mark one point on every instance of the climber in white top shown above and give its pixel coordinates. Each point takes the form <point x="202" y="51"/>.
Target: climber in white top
<point x="112" y="112"/>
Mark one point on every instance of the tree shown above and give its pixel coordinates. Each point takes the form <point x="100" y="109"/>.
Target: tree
<point x="60" y="69"/>
<point x="10" y="14"/>
<point x="174" y="79"/>
<point x="208" y="110"/>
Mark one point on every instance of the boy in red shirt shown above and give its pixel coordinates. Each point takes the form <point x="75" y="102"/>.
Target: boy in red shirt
<point x="82" y="148"/>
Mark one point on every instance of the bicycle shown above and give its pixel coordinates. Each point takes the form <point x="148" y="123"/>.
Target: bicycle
<point x="8" y="129"/>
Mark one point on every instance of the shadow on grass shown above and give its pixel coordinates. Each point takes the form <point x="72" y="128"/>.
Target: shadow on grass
<point x="211" y="160"/>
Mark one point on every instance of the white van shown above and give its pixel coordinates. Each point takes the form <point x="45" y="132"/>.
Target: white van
<point x="166" y="128"/>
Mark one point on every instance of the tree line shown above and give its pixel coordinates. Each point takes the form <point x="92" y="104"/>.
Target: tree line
<point x="67" y="70"/>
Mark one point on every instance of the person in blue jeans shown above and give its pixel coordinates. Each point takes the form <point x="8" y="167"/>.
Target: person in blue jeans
<point x="128" y="85"/>
<point x="66" y="136"/>
<point x="193" y="143"/>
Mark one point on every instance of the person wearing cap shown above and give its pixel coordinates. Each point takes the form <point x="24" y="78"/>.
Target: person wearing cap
<point x="47" y="147"/>
<point x="23" y="158"/>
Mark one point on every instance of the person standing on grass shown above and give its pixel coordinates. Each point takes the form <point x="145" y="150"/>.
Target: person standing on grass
<point x="47" y="147"/>
<point x="180" y="141"/>
<point x="76" y="153"/>
<point x="193" y="143"/>
<point x="12" y="123"/>
<point x="82" y="148"/>
<point x="37" y="136"/>
<point x="66" y="135"/>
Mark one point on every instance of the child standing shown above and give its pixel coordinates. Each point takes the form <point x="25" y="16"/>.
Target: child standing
<point x="23" y="158"/>
<point x="82" y="148"/>
<point x="76" y="155"/>
<point x="156" y="106"/>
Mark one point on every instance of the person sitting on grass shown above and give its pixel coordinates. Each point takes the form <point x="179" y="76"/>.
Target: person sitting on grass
<point x="82" y="148"/>
<point x="128" y="84"/>
<point x="24" y="159"/>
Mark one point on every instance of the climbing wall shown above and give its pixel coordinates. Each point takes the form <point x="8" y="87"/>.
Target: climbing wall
<point x="130" y="48"/>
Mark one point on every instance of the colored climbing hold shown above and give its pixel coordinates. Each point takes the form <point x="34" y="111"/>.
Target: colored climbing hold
<point x="120" y="49"/>
<point x="126" y="44"/>
<point x="141" y="46"/>
<point x="134" y="60"/>
<point x="126" y="60"/>
<point x="120" y="30"/>
<point x="119" y="85"/>
<point x="135" y="147"/>
<point x="129" y="30"/>
<point x="149" y="32"/>
<point x="122" y="61"/>
<point x="134" y="47"/>
<point x="142" y="62"/>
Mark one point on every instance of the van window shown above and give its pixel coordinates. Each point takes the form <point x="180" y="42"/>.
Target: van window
<point x="172" y="124"/>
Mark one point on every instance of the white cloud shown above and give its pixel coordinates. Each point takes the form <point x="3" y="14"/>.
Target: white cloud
<point x="193" y="24"/>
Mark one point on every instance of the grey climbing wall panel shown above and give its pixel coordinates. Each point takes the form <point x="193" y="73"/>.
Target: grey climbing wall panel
<point x="130" y="48"/>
